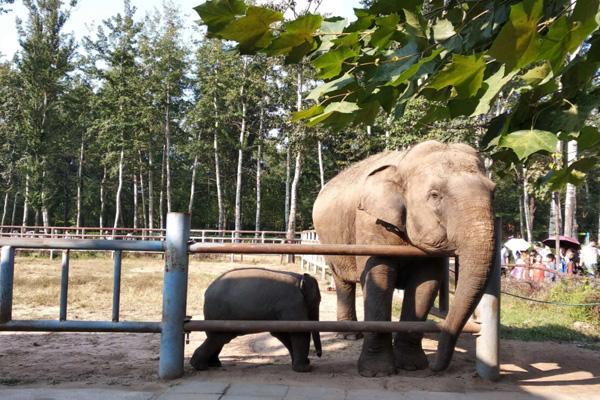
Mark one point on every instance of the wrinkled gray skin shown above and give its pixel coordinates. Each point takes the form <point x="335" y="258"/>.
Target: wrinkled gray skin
<point x="261" y="294"/>
<point x="433" y="196"/>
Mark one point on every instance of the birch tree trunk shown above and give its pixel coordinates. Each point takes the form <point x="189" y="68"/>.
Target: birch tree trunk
<point x="168" y="149"/>
<point x="571" y="195"/>
<point x="143" y="196"/>
<point x="287" y="185"/>
<point x="291" y="228"/>
<point x="150" y="189"/>
<point x="79" y="183"/>
<point x="135" y="201"/>
<point x="4" y="209"/>
<point x="555" y="222"/>
<point x="238" y="185"/>
<point x="321" y="169"/>
<point x="102" y="203"/>
<point x="217" y="166"/>
<point x="526" y="208"/>
<point x="118" y="194"/>
<point x="161" y="196"/>
<point x="14" y="210"/>
<point x="521" y="212"/>
<point x="258" y="171"/>
<point x="26" y="201"/>
<point x="193" y="184"/>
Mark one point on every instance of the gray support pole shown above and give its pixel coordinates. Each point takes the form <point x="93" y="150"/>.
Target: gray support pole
<point x="488" y="344"/>
<point x="64" y="286"/>
<point x="7" y="273"/>
<point x="174" y="296"/>
<point x="116" y="287"/>
<point x="444" y="299"/>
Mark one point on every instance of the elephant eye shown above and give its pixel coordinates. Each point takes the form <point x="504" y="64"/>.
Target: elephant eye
<point x="435" y="195"/>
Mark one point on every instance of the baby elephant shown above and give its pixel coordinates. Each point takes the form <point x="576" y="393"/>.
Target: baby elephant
<point x="261" y="294"/>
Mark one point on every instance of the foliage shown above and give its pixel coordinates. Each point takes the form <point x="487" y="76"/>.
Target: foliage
<point x="460" y="55"/>
<point x="579" y="292"/>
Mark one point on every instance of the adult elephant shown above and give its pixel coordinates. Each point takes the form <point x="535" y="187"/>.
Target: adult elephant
<point x="433" y="196"/>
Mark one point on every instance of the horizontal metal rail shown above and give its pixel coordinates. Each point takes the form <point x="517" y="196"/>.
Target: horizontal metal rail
<point x="322" y="326"/>
<point x="80" y="326"/>
<point x="323" y="249"/>
<point x="84" y="244"/>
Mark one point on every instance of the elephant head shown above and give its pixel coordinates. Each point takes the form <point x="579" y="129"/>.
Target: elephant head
<point x="312" y="298"/>
<point x="438" y="198"/>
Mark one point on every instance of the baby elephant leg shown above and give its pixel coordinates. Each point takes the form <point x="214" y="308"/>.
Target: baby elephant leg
<point x="300" y="348"/>
<point x="207" y="354"/>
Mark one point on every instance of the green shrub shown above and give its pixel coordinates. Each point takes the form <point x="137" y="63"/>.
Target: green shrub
<point x="575" y="291"/>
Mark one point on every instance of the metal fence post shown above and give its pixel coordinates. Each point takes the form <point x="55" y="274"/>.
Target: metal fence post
<point x="487" y="347"/>
<point x="116" y="286"/>
<point x="64" y="286"/>
<point x="7" y="273"/>
<point x="174" y="296"/>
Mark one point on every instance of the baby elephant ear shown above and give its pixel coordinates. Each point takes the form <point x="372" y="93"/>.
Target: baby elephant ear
<point x="382" y="197"/>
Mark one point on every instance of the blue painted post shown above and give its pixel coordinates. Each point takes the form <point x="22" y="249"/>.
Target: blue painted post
<point x="174" y="296"/>
<point x="116" y="287"/>
<point x="487" y="344"/>
<point x="7" y="273"/>
<point x="64" y="286"/>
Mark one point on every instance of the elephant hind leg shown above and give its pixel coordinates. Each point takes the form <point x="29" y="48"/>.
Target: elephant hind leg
<point x="346" y="306"/>
<point x="421" y="289"/>
<point x="207" y="354"/>
<point x="298" y="345"/>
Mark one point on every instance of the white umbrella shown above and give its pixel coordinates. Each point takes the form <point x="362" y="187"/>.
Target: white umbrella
<point x="517" y="244"/>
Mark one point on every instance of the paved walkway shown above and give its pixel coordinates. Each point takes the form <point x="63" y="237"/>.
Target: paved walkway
<point x="207" y="390"/>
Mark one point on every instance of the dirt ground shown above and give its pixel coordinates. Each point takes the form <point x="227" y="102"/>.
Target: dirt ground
<point x="131" y="360"/>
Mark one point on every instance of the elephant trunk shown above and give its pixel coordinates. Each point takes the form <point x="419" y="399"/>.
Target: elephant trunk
<point x="316" y="335"/>
<point x="476" y="258"/>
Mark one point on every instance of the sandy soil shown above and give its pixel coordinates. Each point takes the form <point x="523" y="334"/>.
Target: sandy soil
<point x="131" y="360"/>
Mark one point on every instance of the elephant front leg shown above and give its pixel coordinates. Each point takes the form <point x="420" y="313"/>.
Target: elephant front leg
<point x="300" y="343"/>
<point x="419" y="295"/>
<point x="207" y="354"/>
<point x="346" y="306"/>
<point x="378" y="280"/>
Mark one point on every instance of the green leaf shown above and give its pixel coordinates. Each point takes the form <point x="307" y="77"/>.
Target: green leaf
<point x="386" y="28"/>
<point x="584" y="19"/>
<point x="588" y="138"/>
<point x="217" y="14"/>
<point x="252" y="31"/>
<point x="411" y="71"/>
<point x="308" y="113"/>
<point x="297" y="33"/>
<point x="463" y="73"/>
<point x="493" y="85"/>
<point x="574" y="174"/>
<point x="527" y="142"/>
<point x="443" y="30"/>
<point x="344" y="107"/>
<point x="330" y="86"/>
<point x="555" y="45"/>
<point x="330" y="63"/>
<point x="538" y="75"/>
<point x="396" y="63"/>
<point x="394" y="6"/>
<point x="329" y="31"/>
<point x="518" y="42"/>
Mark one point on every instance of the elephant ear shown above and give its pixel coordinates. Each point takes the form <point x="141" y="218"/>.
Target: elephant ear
<point x="382" y="198"/>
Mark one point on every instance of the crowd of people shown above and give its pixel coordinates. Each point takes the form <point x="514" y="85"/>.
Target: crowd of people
<point x="539" y="264"/>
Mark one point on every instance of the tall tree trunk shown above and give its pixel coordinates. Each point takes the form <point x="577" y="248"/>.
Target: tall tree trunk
<point x="555" y="222"/>
<point x="287" y="184"/>
<point x="79" y="182"/>
<point x="102" y="202"/>
<point x="119" y="189"/>
<point x="161" y="196"/>
<point x="26" y="201"/>
<point x="221" y="216"/>
<point x="521" y="212"/>
<point x="258" y="170"/>
<point x="321" y="169"/>
<point x="143" y="194"/>
<point x="150" y="188"/>
<point x="238" y="185"/>
<point x="571" y="195"/>
<point x="168" y="149"/>
<point x="291" y="228"/>
<point x="193" y="184"/>
<point x="135" y="200"/>
<point x="4" y="209"/>
<point x="526" y="207"/>
<point x="14" y="210"/>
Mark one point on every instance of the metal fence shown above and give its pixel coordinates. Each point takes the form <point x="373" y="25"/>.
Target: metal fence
<point x="177" y="248"/>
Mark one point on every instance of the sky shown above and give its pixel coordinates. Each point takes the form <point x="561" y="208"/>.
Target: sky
<point x="89" y="13"/>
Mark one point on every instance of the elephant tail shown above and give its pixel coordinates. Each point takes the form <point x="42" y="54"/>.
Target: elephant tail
<point x="316" y="336"/>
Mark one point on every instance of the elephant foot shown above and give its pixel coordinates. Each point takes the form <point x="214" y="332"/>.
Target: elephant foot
<point x="349" y="335"/>
<point x="200" y="362"/>
<point x="304" y="367"/>
<point x="371" y="364"/>
<point x="409" y="357"/>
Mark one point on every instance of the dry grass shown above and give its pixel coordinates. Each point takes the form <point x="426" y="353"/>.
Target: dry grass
<point x="37" y="286"/>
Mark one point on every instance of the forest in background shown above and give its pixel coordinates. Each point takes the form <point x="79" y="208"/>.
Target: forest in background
<point x="133" y="122"/>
